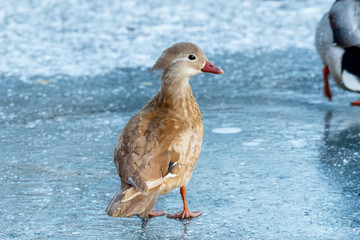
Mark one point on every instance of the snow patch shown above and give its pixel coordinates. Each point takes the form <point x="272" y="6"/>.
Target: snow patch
<point x="298" y="143"/>
<point x="80" y="38"/>
<point x="253" y="143"/>
<point x="226" y="130"/>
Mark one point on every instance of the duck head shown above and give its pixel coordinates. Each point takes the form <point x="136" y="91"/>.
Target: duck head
<point x="184" y="60"/>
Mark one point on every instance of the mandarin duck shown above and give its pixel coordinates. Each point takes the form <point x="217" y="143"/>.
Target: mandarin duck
<point x="160" y="145"/>
<point x="337" y="41"/>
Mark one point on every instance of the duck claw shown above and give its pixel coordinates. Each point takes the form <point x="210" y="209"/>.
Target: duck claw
<point x="156" y="213"/>
<point x="184" y="214"/>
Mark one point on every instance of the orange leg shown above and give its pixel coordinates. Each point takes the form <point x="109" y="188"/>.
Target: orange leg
<point x="184" y="213"/>
<point x="356" y="103"/>
<point x="327" y="92"/>
<point x="155" y="213"/>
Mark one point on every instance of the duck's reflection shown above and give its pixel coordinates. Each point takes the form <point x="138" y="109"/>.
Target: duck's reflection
<point x="145" y="221"/>
<point x="185" y="224"/>
<point x="340" y="163"/>
<point x="340" y="152"/>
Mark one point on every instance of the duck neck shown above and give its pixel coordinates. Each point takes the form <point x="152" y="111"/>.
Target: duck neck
<point x="176" y="91"/>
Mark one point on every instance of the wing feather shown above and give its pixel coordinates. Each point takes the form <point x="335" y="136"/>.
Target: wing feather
<point x="146" y="146"/>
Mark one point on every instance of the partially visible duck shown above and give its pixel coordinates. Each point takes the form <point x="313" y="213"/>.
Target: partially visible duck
<point x="337" y="42"/>
<point x="158" y="149"/>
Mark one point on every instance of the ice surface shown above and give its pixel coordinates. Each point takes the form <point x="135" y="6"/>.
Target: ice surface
<point x="85" y="38"/>
<point x="72" y="73"/>
<point x="253" y="143"/>
<point x="226" y="130"/>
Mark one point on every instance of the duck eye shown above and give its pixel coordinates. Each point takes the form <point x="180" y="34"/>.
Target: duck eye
<point x="192" y="57"/>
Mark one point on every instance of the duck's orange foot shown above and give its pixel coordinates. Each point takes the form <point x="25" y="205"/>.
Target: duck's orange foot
<point x="356" y="103"/>
<point x="184" y="214"/>
<point x="155" y="213"/>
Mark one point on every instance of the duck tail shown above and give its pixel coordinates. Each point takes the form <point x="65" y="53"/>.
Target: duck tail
<point x="122" y="206"/>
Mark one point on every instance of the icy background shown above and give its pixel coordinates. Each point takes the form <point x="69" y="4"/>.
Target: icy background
<point x="92" y="37"/>
<point x="278" y="162"/>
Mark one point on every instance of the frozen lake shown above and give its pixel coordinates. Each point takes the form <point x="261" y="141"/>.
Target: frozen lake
<point x="279" y="161"/>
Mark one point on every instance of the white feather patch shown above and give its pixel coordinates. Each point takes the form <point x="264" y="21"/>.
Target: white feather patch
<point x="351" y="81"/>
<point x="179" y="59"/>
<point x="132" y="192"/>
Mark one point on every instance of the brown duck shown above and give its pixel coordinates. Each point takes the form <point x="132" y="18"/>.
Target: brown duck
<point x="158" y="149"/>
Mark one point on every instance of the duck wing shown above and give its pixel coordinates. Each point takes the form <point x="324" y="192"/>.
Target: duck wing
<point x="148" y="148"/>
<point x="345" y="22"/>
